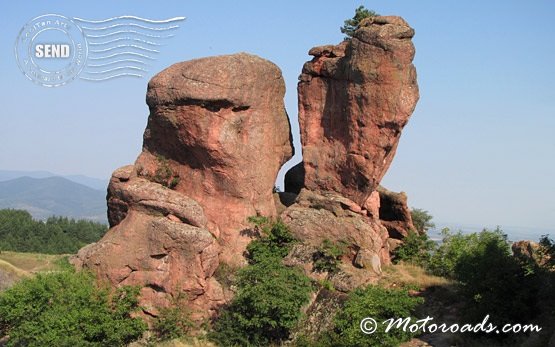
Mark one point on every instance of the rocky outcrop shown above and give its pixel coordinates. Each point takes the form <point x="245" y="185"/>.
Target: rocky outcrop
<point x="218" y="129"/>
<point x="530" y="252"/>
<point x="354" y="100"/>
<point x="216" y="137"/>
<point x="394" y="213"/>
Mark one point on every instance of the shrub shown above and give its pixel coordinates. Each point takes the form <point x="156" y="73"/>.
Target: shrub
<point x="326" y="258"/>
<point x="379" y="304"/>
<point x="269" y="295"/>
<point x="174" y="321"/>
<point x="275" y="239"/>
<point x="351" y="25"/>
<point x="68" y="309"/>
<point x="416" y="249"/>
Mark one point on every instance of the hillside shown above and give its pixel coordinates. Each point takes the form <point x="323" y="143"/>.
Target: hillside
<point x="44" y="197"/>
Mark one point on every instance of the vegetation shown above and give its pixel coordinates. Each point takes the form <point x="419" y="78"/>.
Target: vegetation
<point x="378" y="303"/>
<point x="68" y="309"/>
<point x="267" y="305"/>
<point x="164" y="174"/>
<point x="174" y="321"/>
<point x="19" y="232"/>
<point x="274" y="241"/>
<point x="326" y="258"/>
<point x="492" y="280"/>
<point x="416" y="249"/>
<point x="352" y="24"/>
<point x="422" y="220"/>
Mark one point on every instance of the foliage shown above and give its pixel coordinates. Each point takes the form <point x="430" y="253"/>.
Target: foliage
<point x="444" y="259"/>
<point x="275" y="240"/>
<point x="164" y="174"/>
<point x="493" y="281"/>
<point x="326" y="258"/>
<point x="422" y="220"/>
<point x="378" y="303"/>
<point x="547" y="249"/>
<point x="68" y="309"/>
<point x="174" y="321"/>
<point x="416" y="249"/>
<point x="351" y="25"/>
<point x="57" y="235"/>
<point x="269" y="295"/>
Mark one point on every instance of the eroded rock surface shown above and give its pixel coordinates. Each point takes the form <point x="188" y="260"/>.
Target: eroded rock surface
<point x="216" y="137"/>
<point x="354" y="100"/>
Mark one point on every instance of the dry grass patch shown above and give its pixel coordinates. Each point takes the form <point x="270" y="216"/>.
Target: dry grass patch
<point x="408" y="274"/>
<point x="32" y="262"/>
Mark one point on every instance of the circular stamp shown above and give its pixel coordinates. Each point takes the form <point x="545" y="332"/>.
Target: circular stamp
<point x="51" y="50"/>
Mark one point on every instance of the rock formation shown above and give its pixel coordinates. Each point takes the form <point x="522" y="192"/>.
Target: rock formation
<point x="216" y="137"/>
<point x="354" y="100"/>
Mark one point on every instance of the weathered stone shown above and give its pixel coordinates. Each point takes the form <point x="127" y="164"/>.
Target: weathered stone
<point x="219" y="125"/>
<point x="354" y="100"/>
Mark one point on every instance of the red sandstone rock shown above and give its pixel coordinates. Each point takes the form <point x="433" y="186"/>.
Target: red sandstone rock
<point x="394" y="213"/>
<point x="219" y="125"/>
<point x="354" y="100"/>
<point x="216" y="138"/>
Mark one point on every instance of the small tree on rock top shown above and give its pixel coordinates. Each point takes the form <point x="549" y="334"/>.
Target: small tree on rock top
<point x="351" y="25"/>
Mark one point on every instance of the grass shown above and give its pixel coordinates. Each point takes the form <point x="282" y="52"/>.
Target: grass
<point x="31" y="262"/>
<point x="403" y="274"/>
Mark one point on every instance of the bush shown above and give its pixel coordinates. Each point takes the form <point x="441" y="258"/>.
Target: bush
<point x="326" y="258"/>
<point x="351" y="25"/>
<point x="270" y="295"/>
<point x="416" y="249"/>
<point x="275" y="239"/>
<point x="379" y="304"/>
<point x="174" y="321"/>
<point x="68" y="309"/>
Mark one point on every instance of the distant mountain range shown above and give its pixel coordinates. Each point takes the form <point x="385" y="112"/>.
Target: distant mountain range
<point x="94" y="183"/>
<point x="47" y="196"/>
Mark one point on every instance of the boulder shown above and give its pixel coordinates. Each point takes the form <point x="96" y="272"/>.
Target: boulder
<point x="354" y="100"/>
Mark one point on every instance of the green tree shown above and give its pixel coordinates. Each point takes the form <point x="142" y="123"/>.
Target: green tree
<point x="422" y="220"/>
<point x="19" y="232"/>
<point x="267" y="305"/>
<point x="352" y="24"/>
<point x="494" y="282"/>
<point x="416" y="249"/>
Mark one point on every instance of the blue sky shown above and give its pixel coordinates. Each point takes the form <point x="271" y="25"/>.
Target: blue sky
<point x="478" y="150"/>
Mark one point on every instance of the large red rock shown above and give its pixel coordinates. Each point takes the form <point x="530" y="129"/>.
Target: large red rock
<point x="158" y="241"/>
<point x="216" y="138"/>
<point x="219" y="129"/>
<point x="354" y="100"/>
